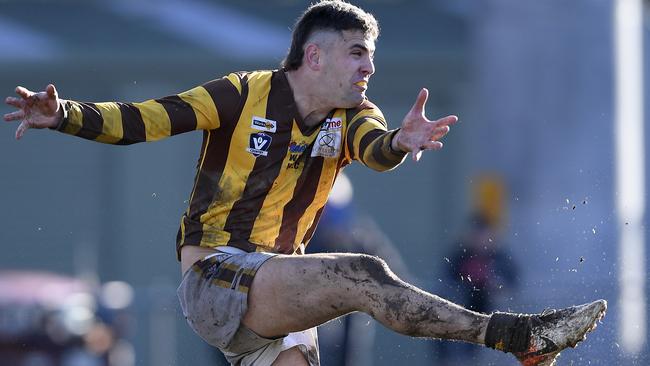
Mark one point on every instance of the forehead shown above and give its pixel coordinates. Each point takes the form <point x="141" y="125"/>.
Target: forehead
<point x="352" y="38"/>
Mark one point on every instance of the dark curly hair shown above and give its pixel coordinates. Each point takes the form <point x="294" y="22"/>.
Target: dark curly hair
<point x="333" y="15"/>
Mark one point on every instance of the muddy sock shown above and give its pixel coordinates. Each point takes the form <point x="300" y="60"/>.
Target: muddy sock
<point x="508" y="332"/>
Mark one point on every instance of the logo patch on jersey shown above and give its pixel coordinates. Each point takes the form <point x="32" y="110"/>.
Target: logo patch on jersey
<point x="296" y="150"/>
<point x="259" y="144"/>
<point x="264" y="124"/>
<point x="328" y="141"/>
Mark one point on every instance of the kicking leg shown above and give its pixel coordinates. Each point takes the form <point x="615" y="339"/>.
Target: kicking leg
<point x="293" y="293"/>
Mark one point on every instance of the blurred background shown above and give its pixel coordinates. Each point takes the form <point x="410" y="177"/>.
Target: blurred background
<point x="537" y="200"/>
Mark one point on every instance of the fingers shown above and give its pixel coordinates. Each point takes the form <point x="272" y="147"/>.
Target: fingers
<point x="24" y="92"/>
<point x="420" y="101"/>
<point x="15" y="102"/>
<point x="20" y="131"/>
<point x="51" y="91"/>
<point x="431" y="145"/>
<point x="447" y="121"/>
<point x="440" y="132"/>
<point x="416" y="155"/>
<point x="14" y="116"/>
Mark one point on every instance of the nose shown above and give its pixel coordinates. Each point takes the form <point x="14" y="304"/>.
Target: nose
<point x="368" y="67"/>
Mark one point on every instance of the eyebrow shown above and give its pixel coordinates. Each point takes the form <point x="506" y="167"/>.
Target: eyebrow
<point x="359" y="45"/>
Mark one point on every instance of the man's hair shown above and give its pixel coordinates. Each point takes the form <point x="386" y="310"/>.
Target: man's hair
<point x="332" y="15"/>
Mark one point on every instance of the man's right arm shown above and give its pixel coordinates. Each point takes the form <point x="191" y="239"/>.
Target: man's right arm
<point x="203" y="107"/>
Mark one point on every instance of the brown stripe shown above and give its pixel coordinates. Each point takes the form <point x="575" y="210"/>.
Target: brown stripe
<point x="378" y="152"/>
<point x="132" y="125"/>
<point x="303" y="196"/>
<point x="312" y="228"/>
<point x="92" y="122"/>
<point x="266" y="169"/>
<point x="246" y="280"/>
<point x="225" y="274"/>
<point x="209" y="174"/>
<point x="366" y="140"/>
<point x="352" y="130"/>
<point x="181" y="114"/>
<point x="225" y="97"/>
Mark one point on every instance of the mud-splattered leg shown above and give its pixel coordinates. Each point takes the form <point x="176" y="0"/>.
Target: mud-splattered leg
<point x="293" y="293"/>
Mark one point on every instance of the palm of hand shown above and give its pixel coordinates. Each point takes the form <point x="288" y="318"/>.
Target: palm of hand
<point x="418" y="133"/>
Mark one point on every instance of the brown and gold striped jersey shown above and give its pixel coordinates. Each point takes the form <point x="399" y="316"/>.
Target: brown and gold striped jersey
<point x="263" y="176"/>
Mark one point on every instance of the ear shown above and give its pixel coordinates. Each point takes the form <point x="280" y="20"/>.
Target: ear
<point x="313" y="56"/>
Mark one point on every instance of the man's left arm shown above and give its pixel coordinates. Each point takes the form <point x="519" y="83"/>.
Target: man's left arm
<point x="369" y="141"/>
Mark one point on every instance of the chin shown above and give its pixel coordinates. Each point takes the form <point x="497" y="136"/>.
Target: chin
<point x="355" y="101"/>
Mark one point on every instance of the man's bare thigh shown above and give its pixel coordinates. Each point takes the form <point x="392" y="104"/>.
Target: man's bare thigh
<point x="294" y="293"/>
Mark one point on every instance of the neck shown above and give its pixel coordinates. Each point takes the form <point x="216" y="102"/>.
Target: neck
<point x="311" y="107"/>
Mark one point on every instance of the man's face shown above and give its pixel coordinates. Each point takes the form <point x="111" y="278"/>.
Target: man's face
<point x="347" y="67"/>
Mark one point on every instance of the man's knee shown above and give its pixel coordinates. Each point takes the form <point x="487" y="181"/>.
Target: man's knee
<point x="373" y="268"/>
<point x="291" y="357"/>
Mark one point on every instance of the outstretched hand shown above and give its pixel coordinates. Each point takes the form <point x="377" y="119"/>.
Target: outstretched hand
<point x="418" y="133"/>
<point x="35" y="110"/>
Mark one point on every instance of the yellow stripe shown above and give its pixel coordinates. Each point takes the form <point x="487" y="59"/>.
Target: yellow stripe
<point x="75" y="119"/>
<point x="155" y="118"/>
<point x="234" y="79"/>
<point x="112" y="128"/>
<point x="207" y="117"/>
<point x="239" y="164"/>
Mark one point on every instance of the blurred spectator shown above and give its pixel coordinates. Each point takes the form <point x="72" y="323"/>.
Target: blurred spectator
<point x="53" y="320"/>
<point x="349" y="340"/>
<point x="480" y="268"/>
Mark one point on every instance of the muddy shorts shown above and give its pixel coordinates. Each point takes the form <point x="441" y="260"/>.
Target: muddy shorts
<point x="213" y="296"/>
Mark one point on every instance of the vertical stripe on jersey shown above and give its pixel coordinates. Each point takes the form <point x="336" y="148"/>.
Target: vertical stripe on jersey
<point x="112" y="127"/>
<point x="323" y="189"/>
<point x="312" y="227"/>
<point x="342" y="162"/>
<point x="92" y="122"/>
<point x="181" y="114"/>
<point x="132" y="124"/>
<point x="244" y="212"/>
<point x="303" y="196"/>
<point x="268" y="224"/>
<point x="214" y="153"/>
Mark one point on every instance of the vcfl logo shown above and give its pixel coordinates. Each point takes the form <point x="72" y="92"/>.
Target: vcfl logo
<point x="258" y="144"/>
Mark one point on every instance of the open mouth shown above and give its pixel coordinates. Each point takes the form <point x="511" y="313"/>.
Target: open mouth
<point x="362" y="84"/>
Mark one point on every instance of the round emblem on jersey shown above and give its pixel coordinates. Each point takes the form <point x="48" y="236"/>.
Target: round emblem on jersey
<point x="327" y="139"/>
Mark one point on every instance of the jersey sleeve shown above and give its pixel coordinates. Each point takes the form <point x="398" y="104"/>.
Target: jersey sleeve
<point x="368" y="139"/>
<point x="204" y="107"/>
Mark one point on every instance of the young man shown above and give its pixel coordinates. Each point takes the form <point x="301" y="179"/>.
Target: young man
<point x="274" y="142"/>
